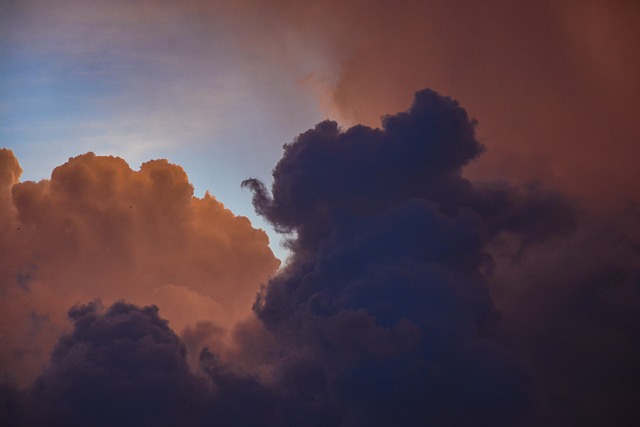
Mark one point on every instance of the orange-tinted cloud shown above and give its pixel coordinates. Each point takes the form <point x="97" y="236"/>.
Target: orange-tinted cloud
<point x="98" y="229"/>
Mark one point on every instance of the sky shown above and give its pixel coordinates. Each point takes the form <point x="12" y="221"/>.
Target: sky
<point x="319" y="213"/>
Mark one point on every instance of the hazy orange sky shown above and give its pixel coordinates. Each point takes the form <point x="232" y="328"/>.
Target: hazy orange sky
<point x="553" y="84"/>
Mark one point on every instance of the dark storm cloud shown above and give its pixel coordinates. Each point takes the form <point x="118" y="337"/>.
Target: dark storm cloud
<point x="124" y="366"/>
<point x="416" y="296"/>
<point x="327" y="171"/>
<point x="386" y="293"/>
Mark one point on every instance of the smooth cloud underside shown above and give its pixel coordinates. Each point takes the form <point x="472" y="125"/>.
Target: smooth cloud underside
<point x="99" y="230"/>
<point x="413" y="296"/>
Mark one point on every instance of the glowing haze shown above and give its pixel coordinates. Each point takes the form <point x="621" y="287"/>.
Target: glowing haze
<point x="549" y="82"/>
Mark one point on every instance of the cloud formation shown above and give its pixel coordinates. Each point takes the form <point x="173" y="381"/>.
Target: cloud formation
<point x="98" y="229"/>
<point x="407" y="278"/>
<point x="120" y="367"/>
<point x="124" y="366"/>
<point x="413" y="296"/>
<point x="386" y="297"/>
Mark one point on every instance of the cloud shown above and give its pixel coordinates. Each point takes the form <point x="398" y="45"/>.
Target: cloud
<point x="413" y="295"/>
<point x="386" y="296"/>
<point x="125" y="366"/>
<point x="571" y="306"/>
<point x="98" y="229"/>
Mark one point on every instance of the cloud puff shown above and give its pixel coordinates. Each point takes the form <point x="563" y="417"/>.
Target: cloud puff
<point x="124" y="366"/>
<point x="98" y="229"/>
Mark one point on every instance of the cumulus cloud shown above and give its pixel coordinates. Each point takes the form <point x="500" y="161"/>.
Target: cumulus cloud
<point x="98" y="229"/>
<point x="121" y="367"/>
<point x="415" y="294"/>
<point x="386" y="294"/>
<point x="124" y="366"/>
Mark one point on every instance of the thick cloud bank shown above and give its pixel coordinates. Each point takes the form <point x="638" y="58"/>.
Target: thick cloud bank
<point x="413" y="297"/>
